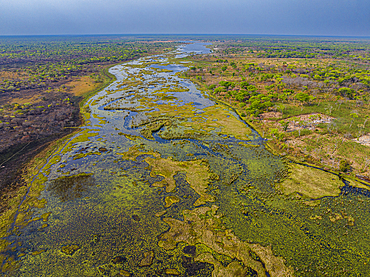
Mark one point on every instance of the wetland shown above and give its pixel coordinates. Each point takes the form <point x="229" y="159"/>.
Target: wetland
<point x="163" y="180"/>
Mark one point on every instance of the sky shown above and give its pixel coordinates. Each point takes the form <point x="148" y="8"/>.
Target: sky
<point x="272" y="17"/>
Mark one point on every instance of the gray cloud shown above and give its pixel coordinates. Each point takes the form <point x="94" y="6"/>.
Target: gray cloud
<point x="314" y="17"/>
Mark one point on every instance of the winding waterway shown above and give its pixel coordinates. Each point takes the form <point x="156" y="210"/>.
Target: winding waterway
<point x="163" y="181"/>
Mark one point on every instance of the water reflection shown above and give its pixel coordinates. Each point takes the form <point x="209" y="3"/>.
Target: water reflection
<point x="192" y="48"/>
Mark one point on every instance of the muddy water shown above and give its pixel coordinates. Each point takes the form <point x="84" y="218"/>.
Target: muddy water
<point x="162" y="181"/>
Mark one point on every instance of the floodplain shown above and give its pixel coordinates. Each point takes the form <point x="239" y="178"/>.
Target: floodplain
<point x="165" y="180"/>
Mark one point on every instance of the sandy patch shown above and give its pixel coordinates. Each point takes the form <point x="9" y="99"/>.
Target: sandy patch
<point x="308" y="121"/>
<point x="270" y="115"/>
<point x="364" y="140"/>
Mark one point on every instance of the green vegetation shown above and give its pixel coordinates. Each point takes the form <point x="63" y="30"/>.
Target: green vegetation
<point x="163" y="181"/>
<point x="30" y="63"/>
<point x="310" y="182"/>
<point x="309" y="97"/>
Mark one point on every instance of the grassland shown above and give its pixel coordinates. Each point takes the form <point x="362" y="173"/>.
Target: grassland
<point x="312" y="105"/>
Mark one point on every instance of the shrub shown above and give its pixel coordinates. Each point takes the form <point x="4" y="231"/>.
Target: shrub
<point x="344" y="166"/>
<point x="347" y="92"/>
<point x="219" y="89"/>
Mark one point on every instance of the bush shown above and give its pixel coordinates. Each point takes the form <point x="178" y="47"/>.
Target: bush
<point x="347" y="92"/>
<point x="219" y="89"/>
<point x="344" y="166"/>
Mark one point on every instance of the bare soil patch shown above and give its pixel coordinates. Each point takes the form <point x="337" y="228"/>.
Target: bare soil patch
<point x="81" y="85"/>
<point x="308" y="121"/>
<point x="364" y="140"/>
<point x="270" y="115"/>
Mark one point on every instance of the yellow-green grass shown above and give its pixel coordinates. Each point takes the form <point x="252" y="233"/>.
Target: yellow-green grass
<point x="310" y="182"/>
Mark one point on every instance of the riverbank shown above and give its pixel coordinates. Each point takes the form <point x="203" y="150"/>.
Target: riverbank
<point x="19" y="166"/>
<point x="17" y="198"/>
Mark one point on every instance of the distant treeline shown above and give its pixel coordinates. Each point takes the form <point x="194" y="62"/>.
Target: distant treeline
<point x="39" y="61"/>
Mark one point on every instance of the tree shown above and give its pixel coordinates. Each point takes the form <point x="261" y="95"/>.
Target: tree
<point x="344" y="166"/>
<point x="244" y="85"/>
<point x="347" y="92"/>
<point x="304" y="97"/>
<point x="353" y="115"/>
<point x="227" y="84"/>
<point x="284" y="124"/>
<point x="242" y="95"/>
<point x="219" y="89"/>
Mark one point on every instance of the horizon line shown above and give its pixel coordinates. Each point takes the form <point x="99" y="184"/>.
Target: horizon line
<point x="186" y="34"/>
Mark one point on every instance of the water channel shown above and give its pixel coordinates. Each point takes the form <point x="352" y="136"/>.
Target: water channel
<point x="163" y="181"/>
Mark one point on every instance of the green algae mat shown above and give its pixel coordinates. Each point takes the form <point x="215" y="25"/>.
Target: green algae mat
<point x="162" y="181"/>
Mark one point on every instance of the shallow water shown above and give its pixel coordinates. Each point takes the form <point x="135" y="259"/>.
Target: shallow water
<point x="156" y="165"/>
